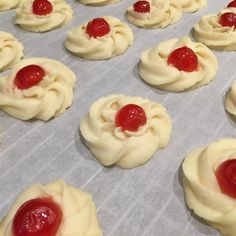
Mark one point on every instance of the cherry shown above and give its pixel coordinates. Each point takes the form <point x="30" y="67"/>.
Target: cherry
<point x="37" y="217"/>
<point x="29" y="76"/>
<point x="141" y="6"/>
<point x="42" y="7"/>
<point x="228" y="19"/>
<point x="232" y="4"/>
<point x="130" y="117"/>
<point x="183" y="58"/>
<point x="97" y="27"/>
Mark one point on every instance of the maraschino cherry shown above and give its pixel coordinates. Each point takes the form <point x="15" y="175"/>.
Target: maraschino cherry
<point x="232" y="4"/>
<point x="141" y="6"/>
<point x="97" y="27"/>
<point x="184" y="59"/>
<point x="130" y="117"/>
<point x="29" y="76"/>
<point x="37" y="217"/>
<point x="228" y="19"/>
<point x="226" y="176"/>
<point x="42" y="7"/>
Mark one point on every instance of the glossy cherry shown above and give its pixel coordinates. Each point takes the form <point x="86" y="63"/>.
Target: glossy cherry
<point x="29" y="76"/>
<point x="42" y="7"/>
<point x="184" y="59"/>
<point x="97" y="27"/>
<point x="228" y="19"/>
<point x="232" y="4"/>
<point x="141" y="6"/>
<point x="130" y="117"/>
<point x="226" y="176"/>
<point x="37" y="217"/>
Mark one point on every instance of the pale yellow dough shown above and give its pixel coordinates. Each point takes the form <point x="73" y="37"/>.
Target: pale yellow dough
<point x="98" y="2"/>
<point x="210" y="32"/>
<point x="78" y="209"/>
<point x="230" y="102"/>
<point x="11" y="51"/>
<point x="155" y="70"/>
<point x="49" y="98"/>
<point x="8" y="4"/>
<point x="27" y="20"/>
<point x="202" y="191"/>
<point x="162" y="13"/>
<point x="126" y="149"/>
<point x="110" y="45"/>
<point x="192" y="5"/>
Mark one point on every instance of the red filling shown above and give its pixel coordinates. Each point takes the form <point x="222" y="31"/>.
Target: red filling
<point x="228" y="19"/>
<point x="42" y="7"/>
<point x="97" y="27"/>
<point x="37" y="217"/>
<point x="130" y="117"/>
<point x="184" y="59"/>
<point x="29" y="76"/>
<point x="232" y="4"/>
<point x="141" y="6"/>
<point x="226" y="176"/>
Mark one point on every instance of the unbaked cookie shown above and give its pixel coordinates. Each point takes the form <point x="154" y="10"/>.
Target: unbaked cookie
<point x="57" y="208"/>
<point x="11" y="51"/>
<point x="125" y="131"/>
<point x="178" y="65"/>
<point x="217" y="31"/>
<point x="8" y="4"/>
<point x="192" y="5"/>
<point x="42" y="15"/>
<point x="230" y="102"/>
<point x="98" y="2"/>
<point x="38" y="88"/>
<point x="209" y="184"/>
<point x="154" y="13"/>
<point x="100" y="38"/>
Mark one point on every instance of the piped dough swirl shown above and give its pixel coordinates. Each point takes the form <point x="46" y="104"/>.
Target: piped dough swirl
<point x="230" y="102"/>
<point x="155" y="70"/>
<point x="78" y="209"/>
<point x="162" y="13"/>
<point x="8" y="4"/>
<point x="192" y="5"/>
<point x="98" y="2"/>
<point x="11" y="51"/>
<point x="110" y="45"/>
<point x="43" y="101"/>
<point x="27" y="20"/>
<point x="210" y="32"/>
<point x="126" y="149"/>
<point x="202" y="191"/>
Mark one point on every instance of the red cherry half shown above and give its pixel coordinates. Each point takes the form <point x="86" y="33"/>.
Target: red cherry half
<point x="37" y="217"/>
<point x="42" y="7"/>
<point x="232" y="4"/>
<point x="29" y="76"/>
<point x="130" y="117"/>
<point x="97" y="27"/>
<point x="141" y="6"/>
<point x="228" y="19"/>
<point x="183" y="58"/>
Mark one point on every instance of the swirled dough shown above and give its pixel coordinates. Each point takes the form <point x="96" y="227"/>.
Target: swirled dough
<point x="192" y="5"/>
<point x="110" y="45"/>
<point x="210" y="32"/>
<point x="127" y="149"/>
<point x="78" y="209"/>
<point x="230" y="102"/>
<point x="154" y="68"/>
<point x="11" y="51"/>
<point x="8" y="4"/>
<point x="162" y="13"/>
<point x="202" y="191"/>
<point x="27" y="20"/>
<point x="98" y="2"/>
<point x="43" y="101"/>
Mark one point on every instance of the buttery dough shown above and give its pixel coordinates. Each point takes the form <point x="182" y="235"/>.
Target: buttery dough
<point x="210" y="32"/>
<point x="162" y="13"/>
<point x="27" y="20"/>
<point x="43" y="101"/>
<point x="98" y="2"/>
<point x="8" y="4"/>
<point x="202" y="191"/>
<point x="155" y="70"/>
<point x="230" y="102"/>
<point x="126" y="149"/>
<point x="192" y="5"/>
<point x="11" y="51"/>
<point x="110" y="45"/>
<point x="78" y="209"/>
